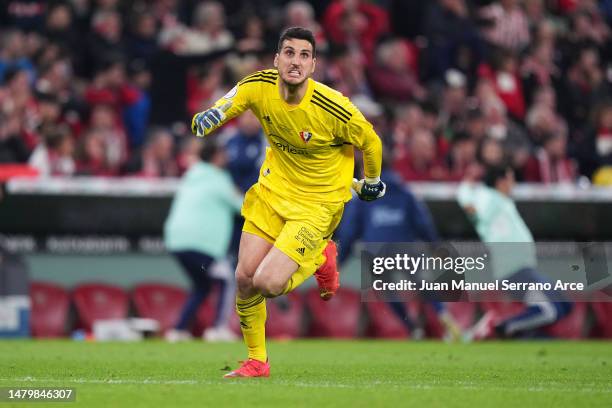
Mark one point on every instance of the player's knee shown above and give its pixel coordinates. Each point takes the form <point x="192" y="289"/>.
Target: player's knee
<point x="267" y="286"/>
<point x="242" y="277"/>
<point x="244" y="280"/>
<point x="271" y="290"/>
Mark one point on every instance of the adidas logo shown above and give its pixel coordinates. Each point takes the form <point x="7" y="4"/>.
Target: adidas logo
<point x="301" y="251"/>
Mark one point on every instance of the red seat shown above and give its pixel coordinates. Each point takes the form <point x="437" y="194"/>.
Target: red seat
<point x="338" y="317"/>
<point x="572" y="325"/>
<point x="160" y="302"/>
<point x="463" y="313"/>
<point x="98" y="301"/>
<point x="49" y="310"/>
<point x="285" y="316"/>
<point x="383" y="323"/>
<point x="603" y="319"/>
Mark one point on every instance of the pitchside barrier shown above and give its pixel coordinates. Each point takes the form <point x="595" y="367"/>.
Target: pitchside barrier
<point x="14" y="300"/>
<point x="67" y="228"/>
<point x="134" y="208"/>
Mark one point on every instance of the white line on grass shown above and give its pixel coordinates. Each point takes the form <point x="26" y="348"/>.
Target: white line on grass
<point x="462" y="385"/>
<point x="101" y="381"/>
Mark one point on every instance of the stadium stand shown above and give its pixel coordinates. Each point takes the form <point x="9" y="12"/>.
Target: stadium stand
<point x="80" y="86"/>
<point x="338" y="317"/>
<point x="50" y="306"/>
<point x="603" y="323"/>
<point x="161" y="302"/>
<point x="383" y="323"/>
<point x="285" y="317"/>
<point x="97" y="301"/>
<point x="572" y="326"/>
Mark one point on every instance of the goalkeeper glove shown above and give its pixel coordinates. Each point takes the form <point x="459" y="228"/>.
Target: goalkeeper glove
<point x="205" y="121"/>
<point x="369" y="189"/>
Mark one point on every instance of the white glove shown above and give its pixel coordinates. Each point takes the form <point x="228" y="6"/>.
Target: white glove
<point x="203" y="122"/>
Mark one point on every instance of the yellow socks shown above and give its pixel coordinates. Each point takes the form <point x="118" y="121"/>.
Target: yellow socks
<point x="252" y="314"/>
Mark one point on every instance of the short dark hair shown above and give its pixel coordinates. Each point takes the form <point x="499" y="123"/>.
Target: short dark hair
<point x="300" y="33"/>
<point x="54" y="135"/>
<point x="494" y="173"/>
<point x="210" y="147"/>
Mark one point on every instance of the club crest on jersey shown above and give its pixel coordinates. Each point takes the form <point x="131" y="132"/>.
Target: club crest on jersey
<point x="306" y="136"/>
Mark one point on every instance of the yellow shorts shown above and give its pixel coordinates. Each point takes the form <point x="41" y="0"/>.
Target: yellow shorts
<point x="299" y="229"/>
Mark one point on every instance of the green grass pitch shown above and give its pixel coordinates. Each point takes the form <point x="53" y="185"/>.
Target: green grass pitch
<point x="317" y="373"/>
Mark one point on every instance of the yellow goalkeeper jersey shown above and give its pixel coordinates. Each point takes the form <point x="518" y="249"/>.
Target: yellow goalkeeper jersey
<point x="311" y="144"/>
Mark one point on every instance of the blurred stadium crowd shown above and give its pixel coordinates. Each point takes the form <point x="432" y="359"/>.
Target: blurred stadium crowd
<point x="446" y="83"/>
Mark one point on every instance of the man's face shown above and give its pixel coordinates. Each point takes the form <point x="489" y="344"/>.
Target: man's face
<point x="295" y="61"/>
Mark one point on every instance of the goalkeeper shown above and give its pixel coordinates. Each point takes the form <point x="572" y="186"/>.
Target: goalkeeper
<point x="304" y="181"/>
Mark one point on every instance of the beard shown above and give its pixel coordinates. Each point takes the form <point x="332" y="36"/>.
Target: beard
<point x="293" y="84"/>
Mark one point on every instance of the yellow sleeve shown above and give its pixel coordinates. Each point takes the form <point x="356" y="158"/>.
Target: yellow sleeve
<point x="360" y="133"/>
<point x="237" y="100"/>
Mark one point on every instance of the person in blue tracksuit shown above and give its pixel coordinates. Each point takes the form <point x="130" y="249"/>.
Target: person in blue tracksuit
<point x="245" y="152"/>
<point x="400" y="217"/>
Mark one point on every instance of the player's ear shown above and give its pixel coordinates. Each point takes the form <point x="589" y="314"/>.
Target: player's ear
<point x="276" y="60"/>
<point x="314" y="64"/>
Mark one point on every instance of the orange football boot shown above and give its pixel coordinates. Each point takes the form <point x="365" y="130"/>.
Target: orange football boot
<point x="327" y="276"/>
<point x="250" y="368"/>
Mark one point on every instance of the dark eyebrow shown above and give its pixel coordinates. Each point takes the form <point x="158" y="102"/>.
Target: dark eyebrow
<point x="288" y="47"/>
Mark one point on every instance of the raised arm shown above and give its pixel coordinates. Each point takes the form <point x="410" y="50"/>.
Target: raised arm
<point x="232" y="104"/>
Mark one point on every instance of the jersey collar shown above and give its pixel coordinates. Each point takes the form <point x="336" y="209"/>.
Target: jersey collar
<point x="305" y="100"/>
